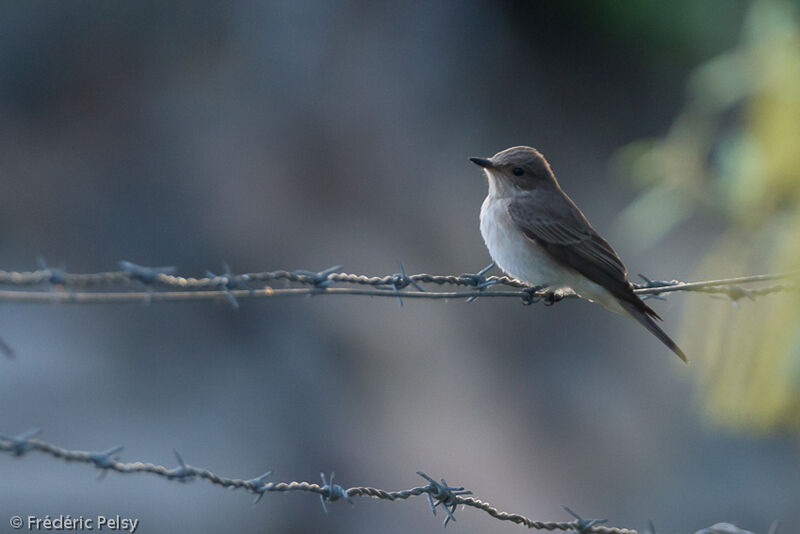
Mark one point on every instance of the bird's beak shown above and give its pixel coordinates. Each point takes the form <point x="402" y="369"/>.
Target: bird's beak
<point x="481" y="162"/>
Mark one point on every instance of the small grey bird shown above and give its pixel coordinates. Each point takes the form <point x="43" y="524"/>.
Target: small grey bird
<point x="536" y="233"/>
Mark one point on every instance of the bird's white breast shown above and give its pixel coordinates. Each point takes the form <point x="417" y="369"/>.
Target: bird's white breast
<point x="523" y="259"/>
<point x="514" y="253"/>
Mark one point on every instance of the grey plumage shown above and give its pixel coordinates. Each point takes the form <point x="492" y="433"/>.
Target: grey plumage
<point x="525" y="186"/>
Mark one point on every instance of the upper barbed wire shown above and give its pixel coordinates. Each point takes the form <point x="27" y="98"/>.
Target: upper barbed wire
<point x="147" y="284"/>
<point x="165" y="277"/>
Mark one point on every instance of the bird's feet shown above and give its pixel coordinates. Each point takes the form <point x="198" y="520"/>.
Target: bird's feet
<point x="534" y="294"/>
<point x="531" y="295"/>
<point x="552" y="296"/>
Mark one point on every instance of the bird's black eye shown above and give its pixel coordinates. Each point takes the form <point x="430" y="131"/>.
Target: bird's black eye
<point x="518" y="171"/>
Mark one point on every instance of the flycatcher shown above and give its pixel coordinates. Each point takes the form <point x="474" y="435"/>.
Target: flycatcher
<point x="536" y="233"/>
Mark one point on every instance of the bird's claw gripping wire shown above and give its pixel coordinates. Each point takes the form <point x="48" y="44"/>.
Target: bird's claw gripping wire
<point x="259" y="485"/>
<point x="478" y="280"/>
<point x="553" y="296"/>
<point x="439" y="493"/>
<point x="583" y="526"/>
<point x="543" y="294"/>
<point x="531" y="295"/>
<point x="20" y="444"/>
<point x="332" y="492"/>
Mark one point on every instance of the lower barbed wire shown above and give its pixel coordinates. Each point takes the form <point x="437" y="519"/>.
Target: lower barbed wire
<point x="438" y="493"/>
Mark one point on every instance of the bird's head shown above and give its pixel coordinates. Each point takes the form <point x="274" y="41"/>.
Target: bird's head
<point x="516" y="169"/>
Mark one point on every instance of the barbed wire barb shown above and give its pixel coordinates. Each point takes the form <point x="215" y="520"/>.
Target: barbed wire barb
<point x="332" y="492"/>
<point x="444" y="495"/>
<point x="20" y="444"/>
<point x="584" y="525"/>
<point x="479" y="280"/>
<point x="225" y="282"/>
<point x="260" y="486"/>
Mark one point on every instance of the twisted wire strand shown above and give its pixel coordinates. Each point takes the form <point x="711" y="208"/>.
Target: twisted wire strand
<point x="438" y="494"/>
<point x="101" y="280"/>
<point x="158" y="284"/>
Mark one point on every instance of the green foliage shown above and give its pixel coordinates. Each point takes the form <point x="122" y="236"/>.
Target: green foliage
<point x="747" y="171"/>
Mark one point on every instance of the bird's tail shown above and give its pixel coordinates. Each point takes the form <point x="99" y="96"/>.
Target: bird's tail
<point x="644" y="315"/>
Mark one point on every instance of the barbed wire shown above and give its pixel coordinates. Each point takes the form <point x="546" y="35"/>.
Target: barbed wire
<point x="136" y="283"/>
<point x="438" y="493"/>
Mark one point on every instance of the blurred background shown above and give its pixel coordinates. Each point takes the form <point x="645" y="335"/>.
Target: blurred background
<point x="312" y="133"/>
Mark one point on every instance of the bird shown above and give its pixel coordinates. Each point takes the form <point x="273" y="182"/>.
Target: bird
<point x="535" y="233"/>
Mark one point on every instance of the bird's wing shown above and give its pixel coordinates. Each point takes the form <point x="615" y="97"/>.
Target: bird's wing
<point x="561" y="230"/>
